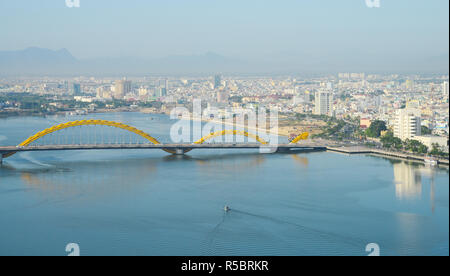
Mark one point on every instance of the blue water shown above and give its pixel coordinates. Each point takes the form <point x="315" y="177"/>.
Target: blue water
<point x="150" y="203"/>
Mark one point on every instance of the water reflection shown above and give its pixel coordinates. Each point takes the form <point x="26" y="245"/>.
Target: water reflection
<point x="92" y="179"/>
<point x="409" y="179"/>
<point x="303" y="161"/>
<point x="226" y="162"/>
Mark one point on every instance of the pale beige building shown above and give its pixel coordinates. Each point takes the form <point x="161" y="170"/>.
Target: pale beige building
<point x="429" y="140"/>
<point x="122" y="88"/>
<point x="407" y="123"/>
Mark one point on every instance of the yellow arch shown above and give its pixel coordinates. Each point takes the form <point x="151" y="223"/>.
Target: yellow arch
<point x="231" y="132"/>
<point x="302" y="136"/>
<point x="84" y="123"/>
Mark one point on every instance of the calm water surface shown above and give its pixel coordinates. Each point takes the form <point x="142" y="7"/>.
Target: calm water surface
<point x="150" y="203"/>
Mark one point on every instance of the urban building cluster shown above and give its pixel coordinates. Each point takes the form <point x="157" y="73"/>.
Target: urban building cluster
<point x="406" y="103"/>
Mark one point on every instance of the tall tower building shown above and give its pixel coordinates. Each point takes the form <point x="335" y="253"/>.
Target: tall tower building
<point x="166" y="85"/>
<point x="445" y="88"/>
<point x="407" y="123"/>
<point x="76" y="89"/>
<point x="123" y="87"/>
<point x="323" y="103"/>
<point x="217" y="81"/>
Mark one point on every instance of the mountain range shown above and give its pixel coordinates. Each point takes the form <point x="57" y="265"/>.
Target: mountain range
<point x="39" y="61"/>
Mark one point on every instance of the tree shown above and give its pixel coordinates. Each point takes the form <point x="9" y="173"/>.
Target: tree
<point x="415" y="146"/>
<point x="426" y="130"/>
<point x="389" y="141"/>
<point x="376" y="128"/>
<point x="436" y="151"/>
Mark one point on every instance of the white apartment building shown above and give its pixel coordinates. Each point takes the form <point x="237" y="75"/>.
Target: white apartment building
<point x="323" y="103"/>
<point x="407" y="123"/>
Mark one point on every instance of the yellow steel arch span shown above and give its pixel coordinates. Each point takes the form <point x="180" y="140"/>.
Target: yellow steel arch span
<point x="48" y="131"/>
<point x="302" y="136"/>
<point x="231" y="132"/>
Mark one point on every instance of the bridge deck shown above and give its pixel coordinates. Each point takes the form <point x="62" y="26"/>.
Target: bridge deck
<point x="160" y="146"/>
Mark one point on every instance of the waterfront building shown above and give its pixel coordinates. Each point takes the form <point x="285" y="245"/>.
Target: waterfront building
<point x="407" y="123"/>
<point x="429" y="140"/>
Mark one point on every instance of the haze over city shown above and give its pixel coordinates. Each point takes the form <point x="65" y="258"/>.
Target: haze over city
<point x="140" y="37"/>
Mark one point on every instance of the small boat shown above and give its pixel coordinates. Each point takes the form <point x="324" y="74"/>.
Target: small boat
<point x="431" y="161"/>
<point x="226" y="209"/>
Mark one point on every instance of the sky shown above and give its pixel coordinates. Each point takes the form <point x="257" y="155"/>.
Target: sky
<point x="277" y="30"/>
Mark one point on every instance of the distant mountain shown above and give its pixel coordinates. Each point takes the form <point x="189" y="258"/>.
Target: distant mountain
<point x="39" y="62"/>
<point x="36" y="61"/>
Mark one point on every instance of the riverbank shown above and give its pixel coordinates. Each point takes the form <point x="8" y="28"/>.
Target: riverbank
<point x="391" y="154"/>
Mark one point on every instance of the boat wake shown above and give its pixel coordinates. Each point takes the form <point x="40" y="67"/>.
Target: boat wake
<point x="317" y="235"/>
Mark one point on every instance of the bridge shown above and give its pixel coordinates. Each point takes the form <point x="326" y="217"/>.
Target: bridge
<point x="97" y="141"/>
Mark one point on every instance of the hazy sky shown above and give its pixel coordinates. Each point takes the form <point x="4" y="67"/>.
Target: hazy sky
<point x="236" y="28"/>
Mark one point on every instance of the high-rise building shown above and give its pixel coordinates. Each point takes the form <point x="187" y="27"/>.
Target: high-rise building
<point x="99" y="91"/>
<point x="160" y="92"/>
<point x="323" y="103"/>
<point x="76" y="89"/>
<point x="161" y="88"/>
<point x="407" y="123"/>
<point x="217" y="81"/>
<point x="445" y="88"/>
<point x="122" y="88"/>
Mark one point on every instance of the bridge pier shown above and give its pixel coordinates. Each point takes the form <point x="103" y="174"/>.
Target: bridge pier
<point x="1" y="158"/>
<point x="179" y="152"/>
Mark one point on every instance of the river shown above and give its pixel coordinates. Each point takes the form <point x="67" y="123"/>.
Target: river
<point x="150" y="203"/>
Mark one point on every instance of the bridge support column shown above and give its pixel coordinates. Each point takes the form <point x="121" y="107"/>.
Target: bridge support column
<point x="179" y="151"/>
<point x="1" y="158"/>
